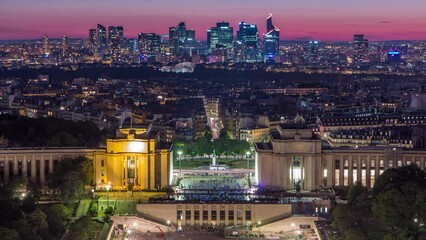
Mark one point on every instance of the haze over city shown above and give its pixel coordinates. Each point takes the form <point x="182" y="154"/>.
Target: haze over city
<point x="193" y="119"/>
<point x="298" y="20"/>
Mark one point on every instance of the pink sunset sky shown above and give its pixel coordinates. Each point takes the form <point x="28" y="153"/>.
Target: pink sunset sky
<point x="297" y="19"/>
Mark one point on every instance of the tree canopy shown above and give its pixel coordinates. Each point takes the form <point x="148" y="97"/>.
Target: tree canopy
<point x="394" y="209"/>
<point x="48" y="132"/>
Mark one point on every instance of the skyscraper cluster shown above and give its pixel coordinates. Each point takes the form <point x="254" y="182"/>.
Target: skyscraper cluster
<point x="103" y="40"/>
<point x="182" y="45"/>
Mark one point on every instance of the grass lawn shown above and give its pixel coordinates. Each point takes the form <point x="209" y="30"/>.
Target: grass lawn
<point x="203" y="162"/>
<point x="123" y="207"/>
<point x="94" y="230"/>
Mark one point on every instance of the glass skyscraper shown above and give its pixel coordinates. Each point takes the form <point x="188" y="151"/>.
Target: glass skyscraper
<point x="114" y="38"/>
<point x="101" y="37"/>
<point x="149" y="46"/>
<point x="271" y="40"/>
<point x="92" y="36"/>
<point x="248" y="37"/>
<point x="360" y="48"/>
<point x="221" y="36"/>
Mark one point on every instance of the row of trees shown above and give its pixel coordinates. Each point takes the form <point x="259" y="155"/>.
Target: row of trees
<point x="24" y="219"/>
<point x="48" y="132"/>
<point x="70" y="177"/>
<point x="395" y="208"/>
<point x="205" y="146"/>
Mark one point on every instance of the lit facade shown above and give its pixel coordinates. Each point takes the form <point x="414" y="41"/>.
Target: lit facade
<point x="134" y="159"/>
<point x="248" y="37"/>
<point x="271" y="40"/>
<point x="101" y="36"/>
<point x="295" y="156"/>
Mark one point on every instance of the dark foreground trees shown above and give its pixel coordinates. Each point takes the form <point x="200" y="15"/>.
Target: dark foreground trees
<point x="48" y="132"/>
<point x="395" y="209"/>
<point x="70" y="177"/>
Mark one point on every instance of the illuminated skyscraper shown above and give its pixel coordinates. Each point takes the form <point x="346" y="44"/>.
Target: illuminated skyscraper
<point x="92" y="37"/>
<point x="46" y="47"/>
<point x="180" y="38"/>
<point x="394" y="56"/>
<point x="64" y="45"/>
<point x="313" y="51"/>
<point x="120" y="30"/>
<point x="101" y="37"/>
<point x="248" y="36"/>
<point x="172" y="39"/>
<point x="360" y="48"/>
<point x="220" y="36"/>
<point x="114" y="38"/>
<point x="149" y="45"/>
<point x="271" y="40"/>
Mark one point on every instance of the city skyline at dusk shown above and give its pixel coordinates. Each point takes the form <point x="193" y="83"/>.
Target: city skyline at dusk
<point x="328" y="20"/>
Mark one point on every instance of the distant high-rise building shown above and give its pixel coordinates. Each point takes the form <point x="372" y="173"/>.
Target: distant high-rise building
<point x="173" y="39"/>
<point x="360" y="48"/>
<point x="271" y="40"/>
<point x="180" y="38"/>
<point x="394" y="56"/>
<point x="190" y="35"/>
<point x="313" y="51"/>
<point x="101" y="37"/>
<point x="92" y="37"/>
<point x="221" y="36"/>
<point x="149" y="45"/>
<point x="64" y="44"/>
<point x="248" y="35"/>
<point x="120" y="30"/>
<point x="46" y="47"/>
<point x="114" y="38"/>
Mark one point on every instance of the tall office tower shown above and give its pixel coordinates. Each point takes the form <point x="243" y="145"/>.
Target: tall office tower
<point x="101" y="37"/>
<point x="313" y="51"/>
<point x="46" y="47"/>
<point x="394" y="56"/>
<point x="114" y="38"/>
<point x="190" y="36"/>
<point x="271" y="40"/>
<point x="178" y="38"/>
<point x="149" y="45"/>
<point x="64" y="45"/>
<point x="92" y="37"/>
<point x="248" y="35"/>
<point x="120" y="30"/>
<point x="360" y="48"/>
<point x="221" y="36"/>
<point x="172" y="39"/>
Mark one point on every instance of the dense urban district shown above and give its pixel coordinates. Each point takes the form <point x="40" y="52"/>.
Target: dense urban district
<point x="167" y="137"/>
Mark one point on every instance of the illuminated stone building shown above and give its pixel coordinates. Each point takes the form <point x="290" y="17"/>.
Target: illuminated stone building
<point x="296" y="156"/>
<point x="136" y="157"/>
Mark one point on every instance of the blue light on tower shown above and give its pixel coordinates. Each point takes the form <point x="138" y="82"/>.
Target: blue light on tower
<point x="394" y="56"/>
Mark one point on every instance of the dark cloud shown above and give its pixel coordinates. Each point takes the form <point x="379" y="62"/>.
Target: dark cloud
<point x="303" y="38"/>
<point x="384" y="22"/>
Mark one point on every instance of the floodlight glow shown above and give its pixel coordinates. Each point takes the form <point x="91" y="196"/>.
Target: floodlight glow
<point x="136" y="146"/>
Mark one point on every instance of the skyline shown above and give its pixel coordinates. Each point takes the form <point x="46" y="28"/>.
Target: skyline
<point x="306" y="20"/>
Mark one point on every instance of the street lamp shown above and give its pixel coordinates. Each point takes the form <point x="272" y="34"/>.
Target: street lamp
<point x="292" y="227"/>
<point x="180" y="162"/>
<point x="258" y="224"/>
